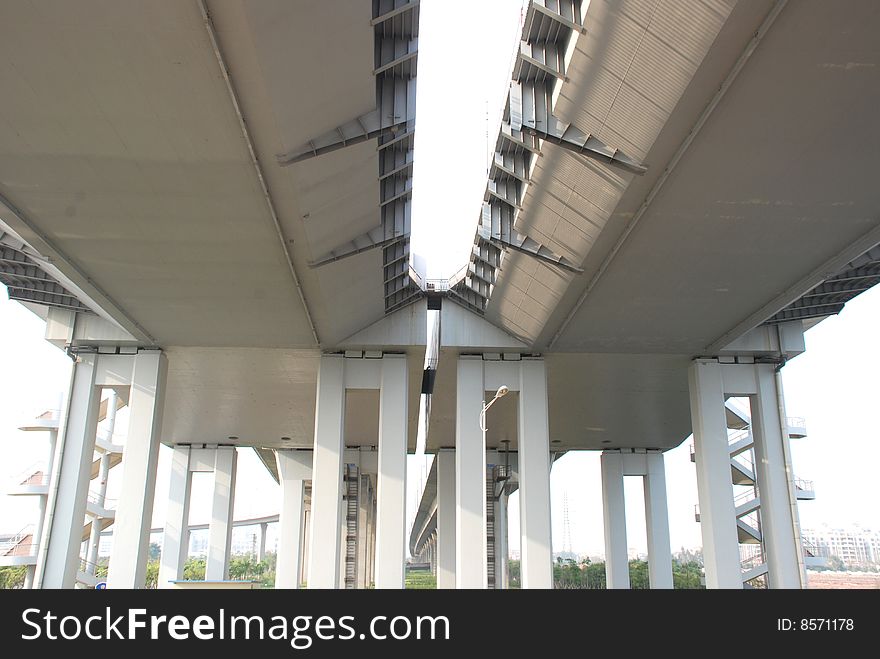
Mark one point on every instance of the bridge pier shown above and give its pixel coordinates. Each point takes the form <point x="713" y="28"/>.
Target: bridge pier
<point x="536" y="567"/>
<point x="220" y="531"/>
<point x="712" y="455"/>
<point x="657" y="522"/>
<point x="294" y="469"/>
<point x="59" y="549"/>
<point x="614" y="517"/>
<point x="142" y="374"/>
<point x="446" y="518"/>
<point x="140" y="459"/>
<point x="391" y="488"/>
<point x="175" y="542"/>
<point x="649" y="464"/>
<point x="470" y="477"/>
<point x="712" y="382"/>
<point x="324" y="541"/>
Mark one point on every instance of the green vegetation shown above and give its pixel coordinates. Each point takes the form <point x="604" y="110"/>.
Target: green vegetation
<point x="12" y="577"/>
<point x="569" y="574"/>
<point x="420" y="580"/>
<point x="242" y="567"/>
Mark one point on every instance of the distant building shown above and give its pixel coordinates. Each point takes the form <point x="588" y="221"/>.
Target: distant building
<point x="855" y="547"/>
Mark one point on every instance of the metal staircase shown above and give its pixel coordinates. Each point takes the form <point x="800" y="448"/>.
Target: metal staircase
<point x="490" y="526"/>
<point x="352" y="482"/>
<point x="747" y="500"/>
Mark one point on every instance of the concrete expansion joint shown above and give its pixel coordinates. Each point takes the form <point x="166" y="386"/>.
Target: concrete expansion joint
<point x="368" y="354"/>
<point x="72" y="350"/>
<point x="502" y="356"/>
<point x="739" y="359"/>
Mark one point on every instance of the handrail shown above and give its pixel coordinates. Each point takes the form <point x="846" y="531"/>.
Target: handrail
<point x="736" y="435"/>
<point x="99" y="570"/>
<point x="19" y="548"/>
<point x="25" y="474"/>
<point x="103" y="501"/>
<point x="804" y="485"/>
<point x="27" y="529"/>
<point x="436" y="285"/>
<point x="745" y="460"/>
<point x="745" y="497"/>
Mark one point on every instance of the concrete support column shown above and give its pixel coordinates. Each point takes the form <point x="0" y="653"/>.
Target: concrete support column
<point x="373" y="544"/>
<point x="364" y="507"/>
<point x="502" y="574"/>
<point x="470" y="477"/>
<point x="134" y="512"/>
<point x="777" y="523"/>
<point x="175" y="542"/>
<point x="261" y="546"/>
<point x="220" y="530"/>
<point x="59" y="550"/>
<point x="614" y="517"/>
<point x="657" y="521"/>
<point x="712" y="453"/>
<point x="306" y="542"/>
<point x="445" y="518"/>
<point x="391" y="488"/>
<point x="294" y="468"/>
<point x="534" y="476"/>
<point x="326" y="518"/>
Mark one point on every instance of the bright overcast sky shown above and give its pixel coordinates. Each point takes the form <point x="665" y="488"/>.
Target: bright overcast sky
<point x="464" y="63"/>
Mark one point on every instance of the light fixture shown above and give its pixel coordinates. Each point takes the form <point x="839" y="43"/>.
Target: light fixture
<point x="503" y="390"/>
<point x="285" y="439"/>
<point x="232" y="437"/>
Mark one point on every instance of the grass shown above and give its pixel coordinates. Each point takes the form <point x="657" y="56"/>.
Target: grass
<point x="420" y="580"/>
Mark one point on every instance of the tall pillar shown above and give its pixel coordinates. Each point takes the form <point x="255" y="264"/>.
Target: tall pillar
<point x="614" y="518"/>
<point x="140" y="458"/>
<point x="470" y="477"/>
<point x="777" y="523"/>
<point x="175" y="541"/>
<point x="534" y="476"/>
<point x="59" y="549"/>
<point x="391" y="488"/>
<point x="306" y="541"/>
<point x="445" y="518"/>
<point x="220" y="530"/>
<point x="364" y="506"/>
<point x="261" y="547"/>
<point x="657" y="522"/>
<point x="714" y="487"/>
<point x="373" y="544"/>
<point x="502" y="575"/>
<point x="294" y="468"/>
<point x="324" y="541"/>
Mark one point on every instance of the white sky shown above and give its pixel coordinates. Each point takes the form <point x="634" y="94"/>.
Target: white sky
<point x="463" y="69"/>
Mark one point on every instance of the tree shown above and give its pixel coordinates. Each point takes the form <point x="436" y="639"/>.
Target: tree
<point x="638" y="575"/>
<point x="513" y="570"/>
<point x="194" y="570"/>
<point x="12" y="577"/>
<point x="152" y="579"/>
<point x="155" y="551"/>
